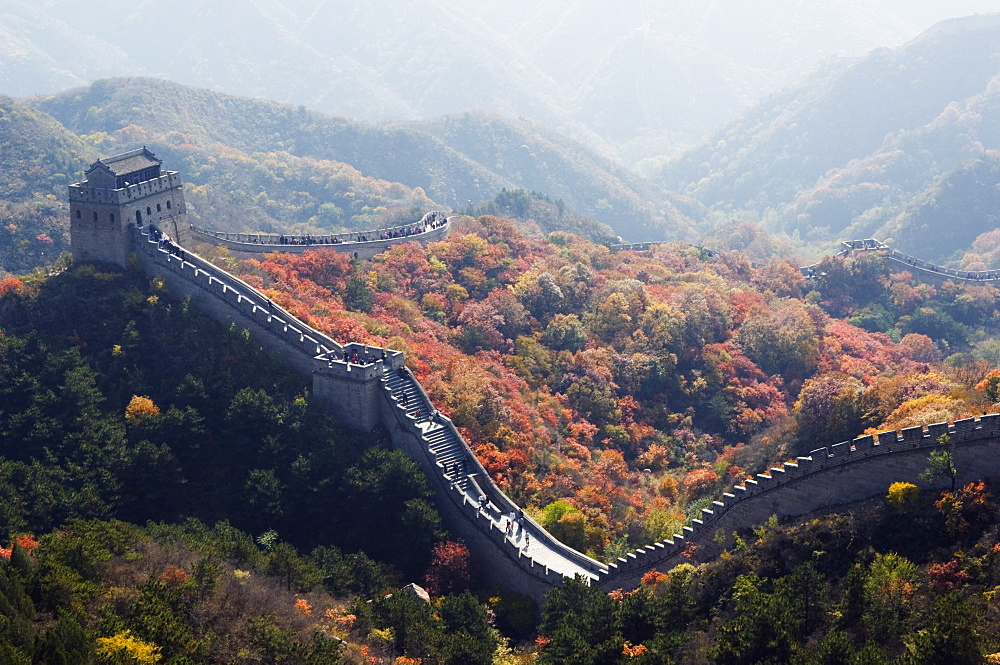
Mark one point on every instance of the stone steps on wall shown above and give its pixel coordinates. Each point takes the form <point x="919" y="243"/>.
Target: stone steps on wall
<point x="409" y="397"/>
<point x="441" y="441"/>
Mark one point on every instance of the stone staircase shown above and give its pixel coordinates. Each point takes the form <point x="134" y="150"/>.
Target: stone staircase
<point x="522" y="539"/>
<point x="448" y="449"/>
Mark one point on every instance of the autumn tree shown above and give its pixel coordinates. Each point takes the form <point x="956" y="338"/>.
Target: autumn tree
<point x="828" y="410"/>
<point x="781" y="342"/>
<point x="450" y="568"/>
<point x="968" y="510"/>
<point x="941" y="463"/>
<point x="902" y="496"/>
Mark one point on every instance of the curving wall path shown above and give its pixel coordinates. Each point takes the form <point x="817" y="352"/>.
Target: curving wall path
<point x="435" y="225"/>
<point x="828" y="477"/>
<point x="921" y="270"/>
<point x="370" y="389"/>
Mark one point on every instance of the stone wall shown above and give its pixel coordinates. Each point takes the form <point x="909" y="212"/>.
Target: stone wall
<point x="251" y="245"/>
<point x="828" y="477"/>
<point x="100" y="218"/>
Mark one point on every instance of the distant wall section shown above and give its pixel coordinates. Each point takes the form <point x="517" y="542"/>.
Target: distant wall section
<point x="252" y="245"/>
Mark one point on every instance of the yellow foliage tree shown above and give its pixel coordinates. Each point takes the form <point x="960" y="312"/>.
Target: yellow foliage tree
<point x="124" y="649"/>
<point x="140" y="407"/>
<point x="902" y="495"/>
<point x="923" y="410"/>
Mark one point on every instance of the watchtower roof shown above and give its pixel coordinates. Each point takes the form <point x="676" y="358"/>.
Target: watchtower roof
<point x="127" y="162"/>
<point x="124" y="169"/>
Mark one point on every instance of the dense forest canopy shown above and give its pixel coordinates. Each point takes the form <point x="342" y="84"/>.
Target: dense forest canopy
<point x="615" y="393"/>
<point x="102" y="421"/>
<point x="170" y="493"/>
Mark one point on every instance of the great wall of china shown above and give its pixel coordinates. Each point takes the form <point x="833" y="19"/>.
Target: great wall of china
<point x="921" y="270"/>
<point x="377" y="395"/>
<point x="360" y="245"/>
<point x="370" y="390"/>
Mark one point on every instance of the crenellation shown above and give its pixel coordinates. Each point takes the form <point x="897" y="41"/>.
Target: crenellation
<point x="839" y="450"/>
<point x="965" y="427"/>
<point x="989" y="424"/>
<point x="888" y="439"/>
<point x="913" y="435"/>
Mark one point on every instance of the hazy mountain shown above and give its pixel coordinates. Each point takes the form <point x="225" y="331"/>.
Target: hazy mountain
<point x="856" y="147"/>
<point x="457" y="161"/>
<point x="38" y="158"/>
<point x="638" y="81"/>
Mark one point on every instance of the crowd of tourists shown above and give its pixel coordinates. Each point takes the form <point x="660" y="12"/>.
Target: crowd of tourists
<point x="432" y="221"/>
<point x="164" y="242"/>
<point x="366" y="357"/>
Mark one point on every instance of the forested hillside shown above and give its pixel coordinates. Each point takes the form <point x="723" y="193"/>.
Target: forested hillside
<point x="122" y="406"/>
<point x="615" y="393"/>
<point x="866" y="149"/>
<point x="38" y="158"/>
<point x="457" y="161"/>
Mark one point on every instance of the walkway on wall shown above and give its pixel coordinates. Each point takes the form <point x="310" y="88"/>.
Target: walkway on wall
<point x="918" y="267"/>
<point x="427" y="228"/>
<point x="470" y="484"/>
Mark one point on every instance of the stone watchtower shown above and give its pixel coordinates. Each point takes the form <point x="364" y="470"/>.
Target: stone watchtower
<point x="120" y="190"/>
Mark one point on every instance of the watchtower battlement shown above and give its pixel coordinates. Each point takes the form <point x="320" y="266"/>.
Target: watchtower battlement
<point x="118" y="190"/>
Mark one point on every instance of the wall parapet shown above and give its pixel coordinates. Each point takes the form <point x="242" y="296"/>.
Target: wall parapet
<point x="83" y="193"/>
<point x="757" y="497"/>
<point x="745" y="505"/>
<point x="432" y="226"/>
<point x="250" y="303"/>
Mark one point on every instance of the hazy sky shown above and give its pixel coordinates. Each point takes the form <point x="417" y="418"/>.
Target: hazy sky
<point x="634" y="77"/>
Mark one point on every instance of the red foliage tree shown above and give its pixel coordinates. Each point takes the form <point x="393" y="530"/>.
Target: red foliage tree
<point x="947" y="577"/>
<point x="450" y="570"/>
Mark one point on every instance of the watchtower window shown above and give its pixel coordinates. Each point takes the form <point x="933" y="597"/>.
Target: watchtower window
<point x="149" y="211"/>
<point x="138" y="217"/>
<point x="158" y="208"/>
<point x="112" y="218"/>
<point x="78" y="215"/>
<point x="95" y="218"/>
<point x="168" y="205"/>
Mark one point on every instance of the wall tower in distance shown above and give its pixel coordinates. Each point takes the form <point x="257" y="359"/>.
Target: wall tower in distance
<point x="129" y="188"/>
